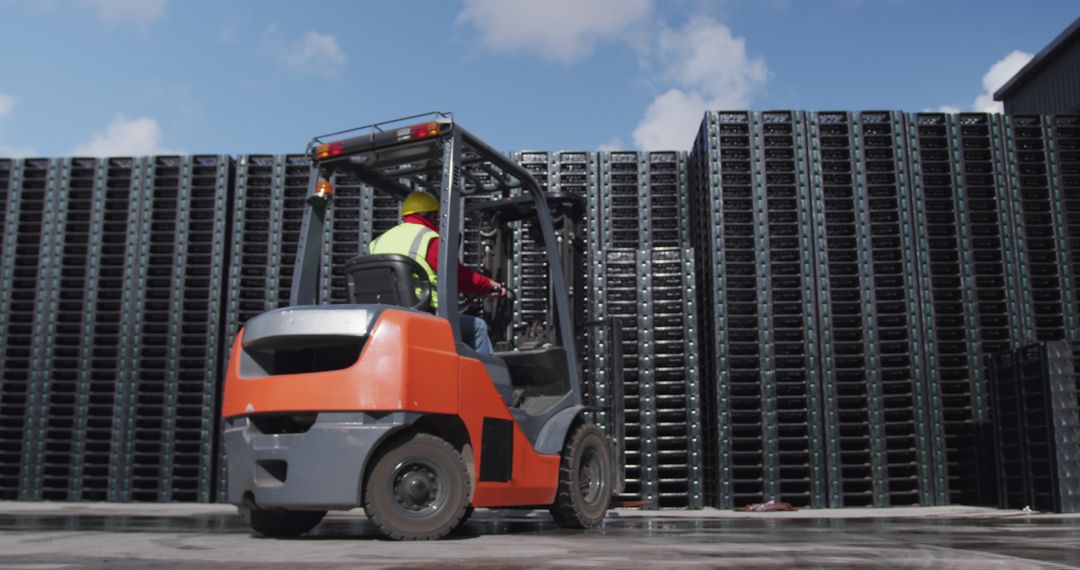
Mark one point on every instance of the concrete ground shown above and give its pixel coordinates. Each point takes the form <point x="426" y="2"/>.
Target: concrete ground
<point x="42" y="536"/>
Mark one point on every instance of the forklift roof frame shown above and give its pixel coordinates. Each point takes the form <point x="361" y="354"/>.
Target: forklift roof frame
<point x="433" y="156"/>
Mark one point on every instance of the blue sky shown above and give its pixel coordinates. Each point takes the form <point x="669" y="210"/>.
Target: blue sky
<point x="108" y="77"/>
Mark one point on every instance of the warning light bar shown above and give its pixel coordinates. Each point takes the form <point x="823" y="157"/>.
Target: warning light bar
<point x="428" y="129"/>
<point x="331" y="149"/>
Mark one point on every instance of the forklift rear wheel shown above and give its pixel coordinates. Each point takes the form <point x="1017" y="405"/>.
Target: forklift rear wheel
<point x="280" y="523"/>
<point x="418" y="490"/>
<point x="585" y="480"/>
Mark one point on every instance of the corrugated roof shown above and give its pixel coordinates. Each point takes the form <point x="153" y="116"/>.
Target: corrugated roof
<point x="1048" y="53"/>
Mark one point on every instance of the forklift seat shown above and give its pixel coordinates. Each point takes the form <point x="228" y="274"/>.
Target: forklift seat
<point x="388" y="279"/>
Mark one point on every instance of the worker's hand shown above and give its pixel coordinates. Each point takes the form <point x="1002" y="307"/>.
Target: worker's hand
<point x="498" y="290"/>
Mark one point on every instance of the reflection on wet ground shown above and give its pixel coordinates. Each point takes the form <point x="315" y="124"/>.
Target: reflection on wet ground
<point x="219" y="537"/>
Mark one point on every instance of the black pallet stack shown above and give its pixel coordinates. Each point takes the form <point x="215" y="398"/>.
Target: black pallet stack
<point x="909" y="425"/>
<point x="348" y="233"/>
<point x="946" y="280"/>
<point x="177" y="327"/>
<point x="88" y="276"/>
<point x="795" y="462"/>
<point x="529" y="280"/>
<point x="623" y="199"/>
<point x="665" y="195"/>
<point x="1041" y="244"/>
<point x="1036" y="427"/>
<point x="721" y="215"/>
<point x="1065" y="134"/>
<point x="28" y="237"/>
<point x="619" y="296"/>
<point x="668" y="410"/>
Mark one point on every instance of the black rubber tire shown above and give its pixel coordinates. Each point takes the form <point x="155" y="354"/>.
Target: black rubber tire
<point x="417" y="490"/>
<point x="586" y="477"/>
<point x="281" y="523"/>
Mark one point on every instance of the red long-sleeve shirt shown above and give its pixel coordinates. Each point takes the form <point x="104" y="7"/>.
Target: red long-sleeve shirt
<point x="469" y="281"/>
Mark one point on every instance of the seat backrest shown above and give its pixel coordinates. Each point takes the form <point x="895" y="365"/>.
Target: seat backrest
<point x="388" y="279"/>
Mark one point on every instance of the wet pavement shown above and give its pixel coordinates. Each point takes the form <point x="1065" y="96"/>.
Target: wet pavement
<point x="40" y="536"/>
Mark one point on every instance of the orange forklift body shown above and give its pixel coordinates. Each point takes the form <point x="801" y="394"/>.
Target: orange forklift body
<point x="408" y="364"/>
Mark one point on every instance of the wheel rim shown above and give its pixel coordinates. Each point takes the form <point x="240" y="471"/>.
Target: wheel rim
<point x="591" y="476"/>
<point x="417" y="488"/>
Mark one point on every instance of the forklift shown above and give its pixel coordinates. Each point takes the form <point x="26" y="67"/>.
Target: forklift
<point x="379" y="404"/>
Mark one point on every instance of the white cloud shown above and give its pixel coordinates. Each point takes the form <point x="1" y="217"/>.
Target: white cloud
<point x="315" y="53"/>
<point x="999" y="74"/>
<point x="7" y="103"/>
<point x="615" y="143"/>
<point x="943" y="109"/>
<point x="711" y="70"/>
<point x="141" y="136"/>
<point x="139" y="12"/>
<point x="558" y="30"/>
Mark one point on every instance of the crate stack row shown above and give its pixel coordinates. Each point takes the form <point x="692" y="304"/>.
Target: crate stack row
<point x="529" y="273"/>
<point x="177" y="327"/>
<point x="750" y="218"/>
<point x="112" y="288"/>
<point x="1065" y="137"/>
<point x="1036" y="427"/>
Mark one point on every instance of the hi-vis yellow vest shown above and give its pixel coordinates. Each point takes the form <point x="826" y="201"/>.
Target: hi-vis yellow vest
<point x="412" y="241"/>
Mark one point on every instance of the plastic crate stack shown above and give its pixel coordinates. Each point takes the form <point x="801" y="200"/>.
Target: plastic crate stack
<point x="946" y="280"/>
<point x="621" y="296"/>
<point x="530" y="272"/>
<point x="910" y="425"/>
<point x="1036" y="427"/>
<point x="297" y="175"/>
<point x="852" y="446"/>
<point x="1065" y="134"/>
<point x="178" y="297"/>
<point x="623" y="198"/>
<point x="1041" y="244"/>
<point x="27" y="240"/>
<point x="665" y="206"/>
<point x="347" y="234"/>
<point x="721" y="215"/>
<point x="87" y="279"/>
<point x="576" y="173"/>
<point x="791" y="398"/>
<point x="669" y="405"/>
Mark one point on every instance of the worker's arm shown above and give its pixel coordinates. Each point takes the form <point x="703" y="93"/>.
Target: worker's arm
<point x="469" y="282"/>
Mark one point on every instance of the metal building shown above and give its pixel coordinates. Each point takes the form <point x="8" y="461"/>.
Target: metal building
<point x="1050" y="83"/>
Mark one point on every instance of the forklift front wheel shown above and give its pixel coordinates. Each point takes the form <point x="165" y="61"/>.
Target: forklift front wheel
<point x="585" y="480"/>
<point x="418" y="490"/>
<point x="280" y="523"/>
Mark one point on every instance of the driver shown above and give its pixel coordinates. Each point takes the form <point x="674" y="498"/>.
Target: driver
<point x="417" y="237"/>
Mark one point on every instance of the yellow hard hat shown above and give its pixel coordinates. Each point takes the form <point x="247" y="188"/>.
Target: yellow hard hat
<point x="418" y="203"/>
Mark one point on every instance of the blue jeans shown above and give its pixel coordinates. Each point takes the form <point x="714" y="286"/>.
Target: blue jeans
<point x="474" y="332"/>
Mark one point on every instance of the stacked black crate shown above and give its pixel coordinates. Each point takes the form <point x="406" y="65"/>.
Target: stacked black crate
<point x="623" y="196"/>
<point x="853" y="450"/>
<point x="1037" y="428"/>
<point x="76" y="455"/>
<point x="722" y="215"/>
<point x="621" y="296"/>
<point x="28" y="236"/>
<point x="1041" y="243"/>
<point x="176" y="329"/>
<point x="348" y="232"/>
<point x="575" y="173"/>
<point x="946" y="280"/>
<point x="910" y="416"/>
<point x="1005" y="413"/>
<point x="530" y="273"/>
<point x="666" y="195"/>
<point x="791" y="400"/>
<point x="1065" y="137"/>
<point x="297" y="174"/>
<point x="994" y="321"/>
<point x="669" y="376"/>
